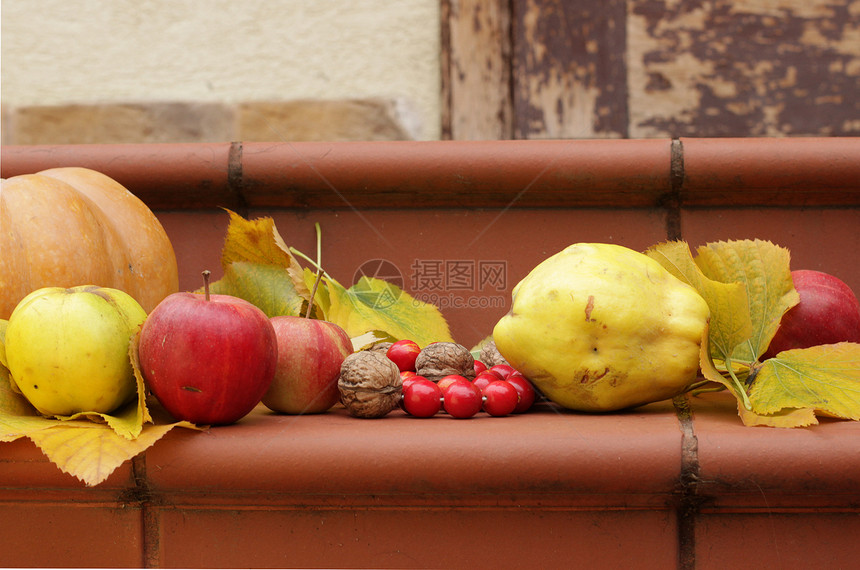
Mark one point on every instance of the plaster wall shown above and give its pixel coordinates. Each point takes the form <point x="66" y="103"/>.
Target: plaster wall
<point x="59" y="52"/>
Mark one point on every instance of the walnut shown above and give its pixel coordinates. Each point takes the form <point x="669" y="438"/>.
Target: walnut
<point x="369" y="384"/>
<point x="440" y="359"/>
<point x="380" y="346"/>
<point x="490" y="355"/>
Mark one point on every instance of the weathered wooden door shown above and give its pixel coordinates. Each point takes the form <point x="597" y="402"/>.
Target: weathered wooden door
<point x="650" y="68"/>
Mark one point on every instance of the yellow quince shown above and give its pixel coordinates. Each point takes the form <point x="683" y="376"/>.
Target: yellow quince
<point x="600" y="327"/>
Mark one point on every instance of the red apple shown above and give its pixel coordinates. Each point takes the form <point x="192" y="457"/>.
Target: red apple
<point x="310" y="352"/>
<point x="828" y="312"/>
<point x="207" y="358"/>
<point x="404" y="353"/>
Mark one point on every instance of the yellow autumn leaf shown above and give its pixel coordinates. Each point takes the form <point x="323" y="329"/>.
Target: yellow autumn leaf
<point x="91" y="451"/>
<point x="375" y="304"/>
<point x="825" y="378"/>
<point x="258" y="241"/>
<point x="786" y="418"/>
<point x="17" y="416"/>
<point x="763" y="269"/>
<point x="730" y="323"/>
<point x="369" y="305"/>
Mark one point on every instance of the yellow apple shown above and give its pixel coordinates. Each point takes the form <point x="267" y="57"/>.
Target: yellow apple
<point x="67" y="349"/>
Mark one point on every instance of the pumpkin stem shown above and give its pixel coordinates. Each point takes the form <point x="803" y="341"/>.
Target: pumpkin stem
<point x="206" y="274"/>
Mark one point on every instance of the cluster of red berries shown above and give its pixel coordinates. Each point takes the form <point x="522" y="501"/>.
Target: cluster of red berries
<point x="499" y="390"/>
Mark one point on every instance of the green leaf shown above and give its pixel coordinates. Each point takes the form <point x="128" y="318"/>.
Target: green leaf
<point x="825" y="378"/>
<point x="374" y="304"/>
<point x="763" y="269"/>
<point x="269" y="287"/>
<point x="255" y="257"/>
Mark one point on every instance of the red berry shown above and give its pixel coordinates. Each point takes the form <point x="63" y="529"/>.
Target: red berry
<point x="525" y="389"/>
<point x="422" y="398"/>
<point x="403" y="353"/>
<point x="462" y="399"/>
<point x="446" y="381"/>
<point x="503" y="370"/>
<point x="483" y="379"/>
<point x="501" y="398"/>
<point x="479" y="367"/>
<point x="408" y="379"/>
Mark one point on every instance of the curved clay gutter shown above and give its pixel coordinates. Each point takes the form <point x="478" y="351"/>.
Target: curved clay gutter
<point x="570" y="173"/>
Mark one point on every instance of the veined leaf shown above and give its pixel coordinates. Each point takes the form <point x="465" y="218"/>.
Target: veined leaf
<point x="369" y="305"/>
<point x="269" y="287"/>
<point x="374" y="304"/>
<point x="730" y="323"/>
<point x="763" y="269"/>
<point x="825" y="378"/>
<point x="91" y="451"/>
<point x="258" y="242"/>
<point x="785" y="418"/>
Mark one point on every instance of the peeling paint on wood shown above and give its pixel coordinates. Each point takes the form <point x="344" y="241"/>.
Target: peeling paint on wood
<point x="569" y="69"/>
<point x="653" y="68"/>
<point x="476" y="70"/>
<point x="724" y="68"/>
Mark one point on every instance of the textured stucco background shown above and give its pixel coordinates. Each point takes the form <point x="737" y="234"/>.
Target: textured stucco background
<point x="59" y="52"/>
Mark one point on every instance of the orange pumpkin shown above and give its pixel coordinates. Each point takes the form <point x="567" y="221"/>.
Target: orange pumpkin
<point x="66" y="227"/>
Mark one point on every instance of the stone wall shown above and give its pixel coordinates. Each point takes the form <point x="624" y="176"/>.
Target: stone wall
<point x="115" y="123"/>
